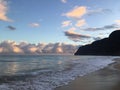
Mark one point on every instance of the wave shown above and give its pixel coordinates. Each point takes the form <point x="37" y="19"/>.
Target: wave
<point x="48" y="80"/>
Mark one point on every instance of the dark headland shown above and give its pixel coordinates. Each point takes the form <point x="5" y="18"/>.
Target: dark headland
<point x="107" y="46"/>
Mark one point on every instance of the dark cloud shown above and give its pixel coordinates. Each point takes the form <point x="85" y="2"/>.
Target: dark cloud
<point x="75" y="36"/>
<point x="107" y="10"/>
<point x="11" y="27"/>
<point x="112" y="26"/>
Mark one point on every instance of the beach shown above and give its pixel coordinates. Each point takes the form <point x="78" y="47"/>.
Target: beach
<point x="48" y="72"/>
<point x="107" y="78"/>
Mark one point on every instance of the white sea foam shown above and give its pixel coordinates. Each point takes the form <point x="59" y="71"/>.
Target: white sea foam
<point x="52" y="79"/>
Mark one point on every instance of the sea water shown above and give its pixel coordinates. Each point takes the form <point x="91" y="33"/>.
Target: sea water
<point x="46" y="72"/>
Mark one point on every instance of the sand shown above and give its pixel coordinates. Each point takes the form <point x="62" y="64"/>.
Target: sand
<point x="104" y="79"/>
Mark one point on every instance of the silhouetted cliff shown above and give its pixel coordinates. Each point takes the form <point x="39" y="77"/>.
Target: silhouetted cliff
<point x="106" y="46"/>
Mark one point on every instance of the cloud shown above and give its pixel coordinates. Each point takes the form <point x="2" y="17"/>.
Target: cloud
<point x="56" y="48"/>
<point x="72" y="35"/>
<point x="35" y="25"/>
<point x="11" y="28"/>
<point x="66" y="23"/>
<point x="117" y="22"/>
<point x="64" y="1"/>
<point x="80" y="11"/>
<point x="97" y="38"/>
<point x="32" y="49"/>
<point x="80" y="23"/>
<point x="72" y="30"/>
<point x="112" y="26"/>
<point x="24" y="48"/>
<point x="77" y="12"/>
<point x="4" y="10"/>
<point x="9" y="47"/>
<point x="98" y="11"/>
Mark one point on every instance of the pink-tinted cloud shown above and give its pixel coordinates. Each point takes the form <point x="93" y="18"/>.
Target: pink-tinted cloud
<point x="77" y="12"/>
<point x="66" y="23"/>
<point x="11" y="47"/>
<point x="117" y="22"/>
<point x="80" y="23"/>
<point x="4" y="10"/>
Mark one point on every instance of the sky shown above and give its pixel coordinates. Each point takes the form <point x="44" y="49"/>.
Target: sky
<point x="75" y="22"/>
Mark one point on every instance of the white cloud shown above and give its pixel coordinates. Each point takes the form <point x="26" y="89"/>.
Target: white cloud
<point x="64" y="1"/>
<point x="35" y="25"/>
<point x="4" y="10"/>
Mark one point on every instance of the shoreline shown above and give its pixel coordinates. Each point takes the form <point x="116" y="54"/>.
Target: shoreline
<point x="104" y="79"/>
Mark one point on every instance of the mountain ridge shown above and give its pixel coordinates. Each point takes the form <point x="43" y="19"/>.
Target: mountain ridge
<point x="107" y="46"/>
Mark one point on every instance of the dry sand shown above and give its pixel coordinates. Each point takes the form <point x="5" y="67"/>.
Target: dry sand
<point x="104" y="79"/>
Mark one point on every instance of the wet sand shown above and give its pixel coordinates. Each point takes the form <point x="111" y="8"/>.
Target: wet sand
<point x="104" y="79"/>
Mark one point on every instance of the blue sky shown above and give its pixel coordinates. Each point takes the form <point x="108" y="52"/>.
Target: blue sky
<point x="51" y="21"/>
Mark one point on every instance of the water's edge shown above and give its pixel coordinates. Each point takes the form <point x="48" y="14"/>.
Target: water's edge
<point x="51" y="80"/>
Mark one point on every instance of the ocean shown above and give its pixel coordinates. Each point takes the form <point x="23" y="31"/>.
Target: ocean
<point x="46" y="72"/>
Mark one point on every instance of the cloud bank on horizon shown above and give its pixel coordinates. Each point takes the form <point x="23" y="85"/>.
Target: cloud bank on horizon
<point x="24" y="48"/>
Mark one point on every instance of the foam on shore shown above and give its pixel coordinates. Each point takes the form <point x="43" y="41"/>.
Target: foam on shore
<point x="52" y="79"/>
